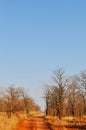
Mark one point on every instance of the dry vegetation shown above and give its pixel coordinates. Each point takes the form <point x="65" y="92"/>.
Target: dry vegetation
<point x="66" y="123"/>
<point x="10" y="123"/>
<point x="15" y="105"/>
<point x="66" y="95"/>
<point x="7" y="123"/>
<point x="65" y="103"/>
<point x="65" y="99"/>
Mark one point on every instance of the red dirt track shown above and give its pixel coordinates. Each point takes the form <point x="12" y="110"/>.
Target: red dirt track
<point x="32" y="123"/>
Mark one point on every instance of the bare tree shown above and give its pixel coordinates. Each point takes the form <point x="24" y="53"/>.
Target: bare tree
<point x="82" y="87"/>
<point x="26" y="99"/>
<point x="15" y="99"/>
<point x="47" y="95"/>
<point x="74" y="102"/>
<point x="55" y="93"/>
<point x="11" y="99"/>
<point x="60" y="84"/>
<point x="28" y="102"/>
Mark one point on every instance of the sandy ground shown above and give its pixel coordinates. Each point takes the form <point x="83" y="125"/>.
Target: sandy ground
<point x="32" y="123"/>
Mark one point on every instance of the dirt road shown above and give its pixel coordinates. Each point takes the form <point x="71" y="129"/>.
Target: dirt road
<point x="32" y="123"/>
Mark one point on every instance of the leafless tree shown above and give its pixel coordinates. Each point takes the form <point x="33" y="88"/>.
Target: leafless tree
<point x="11" y="97"/>
<point x="55" y="93"/>
<point x="60" y="81"/>
<point x="14" y="99"/>
<point x="47" y="95"/>
<point x="26" y="99"/>
<point x="82" y="87"/>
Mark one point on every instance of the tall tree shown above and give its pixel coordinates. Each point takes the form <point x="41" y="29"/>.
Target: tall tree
<point x="82" y="87"/>
<point x="60" y="82"/>
<point x="12" y="96"/>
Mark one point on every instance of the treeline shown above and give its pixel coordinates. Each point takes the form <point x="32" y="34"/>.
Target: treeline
<point x="14" y="99"/>
<point x="66" y="95"/>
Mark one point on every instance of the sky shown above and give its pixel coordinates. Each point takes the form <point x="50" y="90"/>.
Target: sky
<point x="37" y="37"/>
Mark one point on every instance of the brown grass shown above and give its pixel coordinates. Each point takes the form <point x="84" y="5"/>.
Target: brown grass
<point x="67" y="123"/>
<point x="7" y="123"/>
<point x="10" y="123"/>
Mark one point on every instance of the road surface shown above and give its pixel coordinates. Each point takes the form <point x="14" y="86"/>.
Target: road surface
<point x="32" y="123"/>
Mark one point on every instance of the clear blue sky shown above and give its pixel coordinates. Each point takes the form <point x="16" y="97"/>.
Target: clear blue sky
<point x="37" y="36"/>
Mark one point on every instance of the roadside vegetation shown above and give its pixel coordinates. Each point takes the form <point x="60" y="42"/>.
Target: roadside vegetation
<point x="7" y="123"/>
<point x="66" y="123"/>
<point x="15" y="105"/>
<point x="65" y="99"/>
<point x="15" y="100"/>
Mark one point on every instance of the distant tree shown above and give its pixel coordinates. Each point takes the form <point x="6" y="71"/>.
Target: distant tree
<point x="55" y="93"/>
<point x="66" y="96"/>
<point x="47" y="95"/>
<point x="72" y="89"/>
<point x="28" y="102"/>
<point x="25" y="98"/>
<point x="82" y="87"/>
<point x="74" y="102"/>
<point x="60" y="82"/>
<point x="11" y="99"/>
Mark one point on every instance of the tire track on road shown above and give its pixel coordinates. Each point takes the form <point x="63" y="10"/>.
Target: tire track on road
<point x="32" y="123"/>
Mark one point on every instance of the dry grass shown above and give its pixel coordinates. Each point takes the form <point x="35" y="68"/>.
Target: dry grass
<point x="7" y="123"/>
<point x="66" y="122"/>
<point x="10" y="123"/>
<point x="36" y="113"/>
